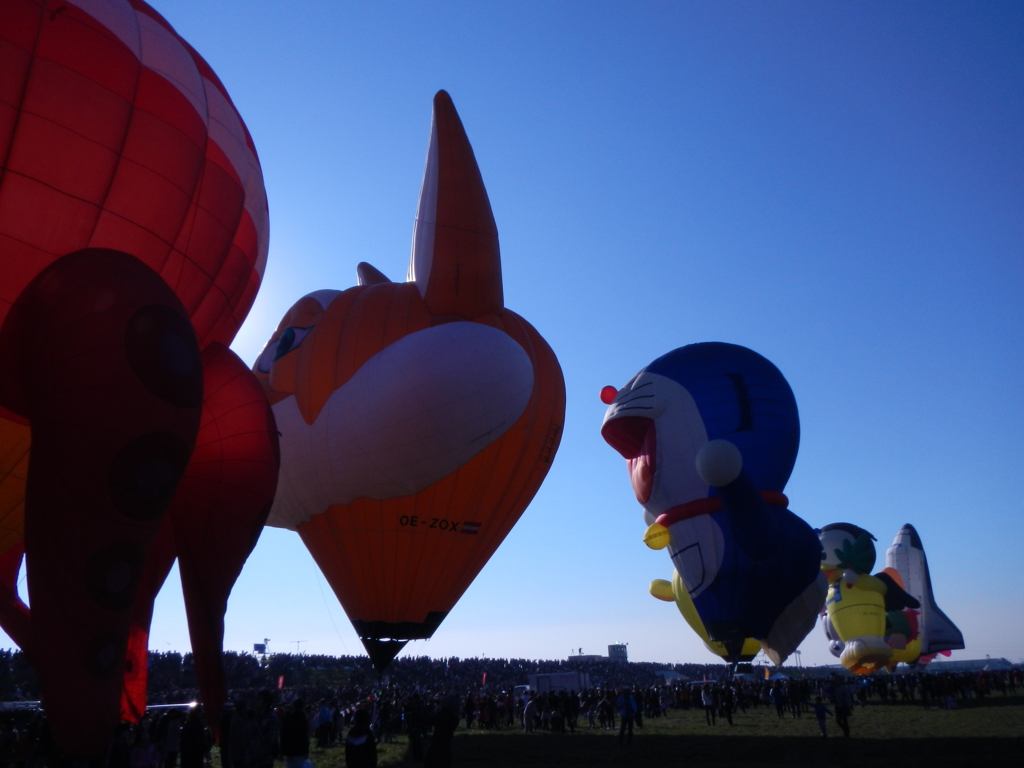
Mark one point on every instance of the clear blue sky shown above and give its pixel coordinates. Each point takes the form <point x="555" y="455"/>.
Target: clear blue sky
<point x="839" y="186"/>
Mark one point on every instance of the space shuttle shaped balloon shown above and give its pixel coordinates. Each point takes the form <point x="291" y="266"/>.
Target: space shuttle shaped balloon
<point x="710" y="434"/>
<point x="417" y="418"/>
<point x="906" y="555"/>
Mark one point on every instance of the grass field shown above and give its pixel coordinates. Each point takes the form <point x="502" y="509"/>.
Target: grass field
<point x="984" y="734"/>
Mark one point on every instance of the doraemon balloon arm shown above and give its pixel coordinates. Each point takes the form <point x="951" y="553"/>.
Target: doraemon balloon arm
<point x="662" y="590"/>
<point x="675" y="592"/>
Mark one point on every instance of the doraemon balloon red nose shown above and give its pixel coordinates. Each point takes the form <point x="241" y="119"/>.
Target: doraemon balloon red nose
<point x="710" y="434"/>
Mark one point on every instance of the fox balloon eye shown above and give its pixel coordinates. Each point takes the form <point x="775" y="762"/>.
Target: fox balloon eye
<point x="267" y="357"/>
<point x="290" y="339"/>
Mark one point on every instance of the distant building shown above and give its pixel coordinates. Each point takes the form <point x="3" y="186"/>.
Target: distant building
<point x="618" y="653"/>
<point x="585" y="657"/>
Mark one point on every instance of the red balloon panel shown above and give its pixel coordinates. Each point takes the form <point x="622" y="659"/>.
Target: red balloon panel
<point x="123" y="138"/>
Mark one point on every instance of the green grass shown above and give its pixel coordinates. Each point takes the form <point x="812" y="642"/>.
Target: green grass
<point x="987" y="734"/>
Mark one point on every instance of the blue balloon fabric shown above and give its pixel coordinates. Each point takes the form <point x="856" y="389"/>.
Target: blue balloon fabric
<point x="710" y="433"/>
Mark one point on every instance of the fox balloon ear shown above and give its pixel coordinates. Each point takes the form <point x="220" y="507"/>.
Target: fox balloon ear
<point x="455" y="260"/>
<point x="367" y="274"/>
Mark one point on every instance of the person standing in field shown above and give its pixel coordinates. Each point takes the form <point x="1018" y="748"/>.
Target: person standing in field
<point x="707" y="699"/>
<point x="144" y="754"/>
<point x="530" y="715"/>
<point x="360" y="745"/>
<point x="295" y="735"/>
<point x="446" y="720"/>
<point x="844" y="707"/>
<point x="778" y="699"/>
<point x="324" y="723"/>
<point x="820" y="711"/>
<point x="264" y="738"/>
<point x="195" y="740"/>
<point x="626" y="705"/>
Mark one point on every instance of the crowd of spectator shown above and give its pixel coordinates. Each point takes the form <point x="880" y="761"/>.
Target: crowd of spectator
<point x="172" y="676"/>
<point x="281" y="706"/>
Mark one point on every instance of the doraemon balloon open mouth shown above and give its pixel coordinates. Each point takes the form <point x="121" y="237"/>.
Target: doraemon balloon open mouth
<point x="635" y="437"/>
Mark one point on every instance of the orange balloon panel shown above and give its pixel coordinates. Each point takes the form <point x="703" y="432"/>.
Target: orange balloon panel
<point x="356" y="326"/>
<point x="404" y="562"/>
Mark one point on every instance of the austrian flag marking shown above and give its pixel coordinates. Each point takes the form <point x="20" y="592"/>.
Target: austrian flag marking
<point x="470" y="527"/>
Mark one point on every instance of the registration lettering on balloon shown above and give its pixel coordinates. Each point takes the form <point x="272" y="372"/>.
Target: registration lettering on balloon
<point x="710" y="434"/>
<point x="407" y="407"/>
<point x="133" y="239"/>
<point x="437" y="524"/>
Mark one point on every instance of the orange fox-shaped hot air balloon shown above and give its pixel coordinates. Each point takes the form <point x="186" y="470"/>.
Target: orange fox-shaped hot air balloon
<point x="417" y="419"/>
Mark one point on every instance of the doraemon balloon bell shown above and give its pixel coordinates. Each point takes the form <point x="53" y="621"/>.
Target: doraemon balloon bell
<point x="710" y="434"/>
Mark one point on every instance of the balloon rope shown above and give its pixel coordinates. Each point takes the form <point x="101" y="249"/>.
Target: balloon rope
<point x="316" y="570"/>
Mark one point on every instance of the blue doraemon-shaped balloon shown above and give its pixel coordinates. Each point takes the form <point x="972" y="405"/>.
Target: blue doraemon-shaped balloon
<point x="710" y="434"/>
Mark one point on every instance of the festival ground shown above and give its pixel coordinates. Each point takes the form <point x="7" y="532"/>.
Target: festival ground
<point x="989" y="733"/>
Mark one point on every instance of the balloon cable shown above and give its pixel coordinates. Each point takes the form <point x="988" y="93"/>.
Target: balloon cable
<point x="316" y="571"/>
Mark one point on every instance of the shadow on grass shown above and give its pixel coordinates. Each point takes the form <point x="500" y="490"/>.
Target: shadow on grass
<point x="986" y="734"/>
<point x="993" y="701"/>
<point x="657" y="750"/>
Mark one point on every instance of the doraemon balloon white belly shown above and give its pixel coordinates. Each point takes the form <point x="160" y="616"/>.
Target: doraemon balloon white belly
<point x="710" y="434"/>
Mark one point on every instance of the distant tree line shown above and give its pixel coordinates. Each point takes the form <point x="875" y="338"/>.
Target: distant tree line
<point x="172" y="675"/>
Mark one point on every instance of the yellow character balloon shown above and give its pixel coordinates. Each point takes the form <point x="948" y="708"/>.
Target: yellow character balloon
<point x="857" y="602"/>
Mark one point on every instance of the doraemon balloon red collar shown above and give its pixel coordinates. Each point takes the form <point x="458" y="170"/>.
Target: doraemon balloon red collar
<point x="710" y="434"/>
